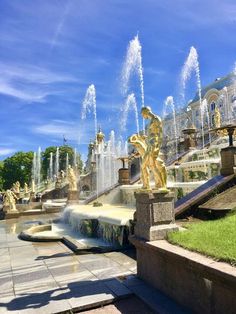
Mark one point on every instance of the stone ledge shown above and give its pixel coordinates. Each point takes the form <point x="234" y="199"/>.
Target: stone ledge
<point x="30" y="234"/>
<point x="201" y="262"/>
<point x="193" y="280"/>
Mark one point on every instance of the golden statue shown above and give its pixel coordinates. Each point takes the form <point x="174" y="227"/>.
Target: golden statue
<point x="10" y="200"/>
<point x="217" y="118"/>
<point x="72" y="179"/>
<point x="148" y="147"/>
<point x="32" y="186"/>
<point x="16" y="187"/>
<point x="26" y="189"/>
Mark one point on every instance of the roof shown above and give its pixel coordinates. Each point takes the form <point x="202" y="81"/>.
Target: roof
<point x="218" y="84"/>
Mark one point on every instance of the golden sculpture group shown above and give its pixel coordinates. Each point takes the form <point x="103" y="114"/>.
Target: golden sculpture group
<point x="148" y="147"/>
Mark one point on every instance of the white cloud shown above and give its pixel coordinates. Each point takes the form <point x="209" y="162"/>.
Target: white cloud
<point x="6" y="151"/>
<point x="30" y="96"/>
<point x="30" y="83"/>
<point x="56" y="129"/>
<point x="33" y="74"/>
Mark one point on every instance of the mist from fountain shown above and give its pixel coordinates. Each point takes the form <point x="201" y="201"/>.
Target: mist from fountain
<point x="130" y="104"/>
<point x="89" y="103"/>
<point x="133" y="65"/>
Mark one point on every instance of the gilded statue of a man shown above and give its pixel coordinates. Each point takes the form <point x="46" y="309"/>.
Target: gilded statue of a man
<point x="148" y="147"/>
<point x="10" y="200"/>
<point x="72" y="179"/>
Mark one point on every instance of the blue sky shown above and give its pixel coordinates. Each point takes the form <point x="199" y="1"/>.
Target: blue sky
<point x="52" y="50"/>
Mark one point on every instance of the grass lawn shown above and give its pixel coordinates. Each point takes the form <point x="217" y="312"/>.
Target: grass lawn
<point x="215" y="238"/>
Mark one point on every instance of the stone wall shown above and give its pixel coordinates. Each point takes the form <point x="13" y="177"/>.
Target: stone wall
<point x="193" y="280"/>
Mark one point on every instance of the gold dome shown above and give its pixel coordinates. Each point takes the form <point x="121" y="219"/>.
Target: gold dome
<point x="100" y="136"/>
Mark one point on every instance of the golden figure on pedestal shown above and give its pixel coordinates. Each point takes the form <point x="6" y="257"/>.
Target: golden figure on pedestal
<point x="72" y="179"/>
<point x="10" y="200"/>
<point x="148" y="147"/>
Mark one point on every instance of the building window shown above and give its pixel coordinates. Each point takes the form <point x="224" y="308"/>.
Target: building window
<point x="213" y="106"/>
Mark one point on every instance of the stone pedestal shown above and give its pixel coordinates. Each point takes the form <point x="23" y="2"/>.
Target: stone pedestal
<point x="9" y="213"/>
<point x="32" y="196"/>
<point x="124" y="176"/>
<point x="73" y="196"/>
<point x="155" y="215"/>
<point x="228" y="160"/>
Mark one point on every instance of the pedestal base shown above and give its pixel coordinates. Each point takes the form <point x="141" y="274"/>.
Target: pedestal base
<point x="228" y="160"/>
<point x="155" y="215"/>
<point x="124" y="176"/>
<point x="73" y="196"/>
<point x="13" y="214"/>
<point x="160" y="232"/>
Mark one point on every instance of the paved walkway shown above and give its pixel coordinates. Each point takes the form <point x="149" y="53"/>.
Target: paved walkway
<point x="49" y="278"/>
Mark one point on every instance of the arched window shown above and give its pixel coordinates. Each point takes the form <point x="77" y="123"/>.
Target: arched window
<point x="213" y="106"/>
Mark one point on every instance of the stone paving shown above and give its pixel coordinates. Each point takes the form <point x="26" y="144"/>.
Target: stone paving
<point x="49" y="278"/>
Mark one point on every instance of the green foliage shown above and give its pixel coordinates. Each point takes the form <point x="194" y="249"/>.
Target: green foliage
<point x="1" y="178"/>
<point x="212" y="238"/>
<point x="194" y="157"/>
<point x="192" y="175"/>
<point x="19" y="166"/>
<point x="16" y="168"/>
<point x="63" y="151"/>
<point x="180" y="193"/>
<point x="201" y="175"/>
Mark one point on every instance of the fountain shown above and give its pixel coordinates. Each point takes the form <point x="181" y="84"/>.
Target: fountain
<point x="130" y="104"/>
<point x="192" y="65"/>
<point x="36" y="168"/>
<point x="205" y="113"/>
<point x="57" y="165"/>
<point x="133" y="65"/>
<point x="89" y="103"/>
<point x="67" y="164"/>
<point x="169" y="103"/>
<point x="75" y="159"/>
<point x="51" y="167"/>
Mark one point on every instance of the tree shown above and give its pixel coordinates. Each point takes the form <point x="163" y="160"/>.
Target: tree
<point x="1" y="178"/>
<point x="63" y="151"/>
<point x="17" y="168"/>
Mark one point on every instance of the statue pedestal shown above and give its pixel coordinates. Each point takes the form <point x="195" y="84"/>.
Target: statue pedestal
<point x="32" y="196"/>
<point x="124" y="176"/>
<point x="9" y="213"/>
<point x="228" y="160"/>
<point x="73" y="196"/>
<point x="154" y="215"/>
